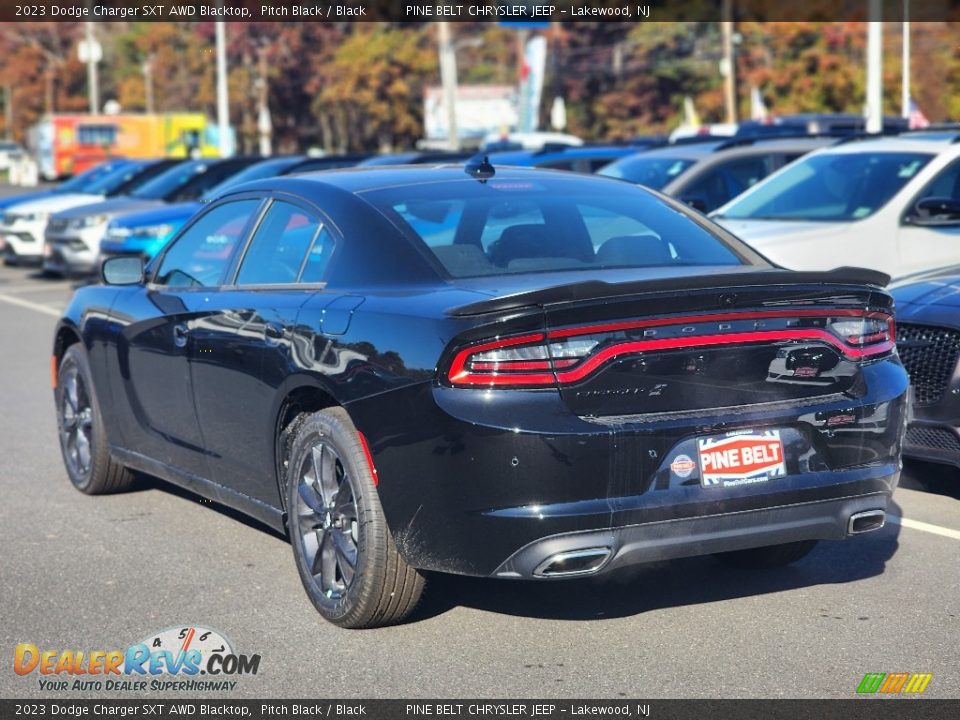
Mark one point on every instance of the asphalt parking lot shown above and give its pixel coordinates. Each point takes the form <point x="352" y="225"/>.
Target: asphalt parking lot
<point x="101" y="573"/>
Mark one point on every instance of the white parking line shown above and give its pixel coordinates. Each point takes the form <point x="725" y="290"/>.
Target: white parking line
<point x="925" y="527"/>
<point x="42" y="287"/>
<point x="30" y="305"/>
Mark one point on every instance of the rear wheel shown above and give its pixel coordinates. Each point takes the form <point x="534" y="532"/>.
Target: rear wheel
<point x="345" y="554"/>
<point x="83" y="441"/>
<point x="768" y="557"/>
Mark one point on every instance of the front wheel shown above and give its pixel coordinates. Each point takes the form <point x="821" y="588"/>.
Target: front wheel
<point x="345" y="554"/>
<point x="83" y="441"/>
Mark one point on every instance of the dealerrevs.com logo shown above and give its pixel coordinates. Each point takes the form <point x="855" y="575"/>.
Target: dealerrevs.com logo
<point x="894" y="683"/>
<point x="186" y="658"/>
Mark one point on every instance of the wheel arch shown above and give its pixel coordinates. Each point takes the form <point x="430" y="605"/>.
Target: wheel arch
<point x="299" y="398"/>
<point x="65" y="335"/>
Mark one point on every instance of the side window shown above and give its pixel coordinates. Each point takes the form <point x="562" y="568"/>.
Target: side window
<point x="278" y="247"/>
<point x="315" y="268"/>
<point x="599" y="163"/>
<point x="206" y="179"/>
<point x="727" y="181"/>
<point x="945" y="185"/>
<point x="200" y="256"/>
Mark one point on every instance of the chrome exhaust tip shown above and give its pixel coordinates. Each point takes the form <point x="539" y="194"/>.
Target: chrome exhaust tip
<point x="866" y="521"/>
<point x="573" y="562"/>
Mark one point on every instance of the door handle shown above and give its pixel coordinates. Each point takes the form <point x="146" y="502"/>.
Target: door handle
<point x="180" y="335"/>
<point x="273" y="330"/>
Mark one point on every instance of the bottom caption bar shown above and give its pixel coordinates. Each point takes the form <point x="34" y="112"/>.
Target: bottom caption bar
<point x="868" y="709"/>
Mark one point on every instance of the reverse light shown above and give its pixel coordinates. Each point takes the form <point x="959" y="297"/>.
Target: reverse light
<point x="864" y="330"/>
<point x="569" y="355"/>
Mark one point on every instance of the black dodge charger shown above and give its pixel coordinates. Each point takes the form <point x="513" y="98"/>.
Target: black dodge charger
<point x="502" y="373"/>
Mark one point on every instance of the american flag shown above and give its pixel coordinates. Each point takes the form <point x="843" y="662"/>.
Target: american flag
<point x="915" y="116"/>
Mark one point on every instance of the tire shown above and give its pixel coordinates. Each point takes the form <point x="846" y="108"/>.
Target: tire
<point x="335" y="517"/>
<point x="83" y="441"/>
<point x="770" y="556"/>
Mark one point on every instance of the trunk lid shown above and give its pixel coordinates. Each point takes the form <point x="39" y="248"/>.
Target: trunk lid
<point x="691" y="345"/>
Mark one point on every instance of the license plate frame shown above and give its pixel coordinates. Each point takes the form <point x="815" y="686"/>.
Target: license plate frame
<point x="741" y="458"/>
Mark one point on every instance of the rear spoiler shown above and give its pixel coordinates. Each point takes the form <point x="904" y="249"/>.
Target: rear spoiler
<point x="597" y="289"/>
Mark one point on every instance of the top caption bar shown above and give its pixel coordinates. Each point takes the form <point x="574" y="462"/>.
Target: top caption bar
<point x="528" y="15"/>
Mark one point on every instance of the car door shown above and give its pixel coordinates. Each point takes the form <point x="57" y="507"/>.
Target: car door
<point x="245" y="344"/>
<point x="921" y="246"/>
<point x="154" y="347"/>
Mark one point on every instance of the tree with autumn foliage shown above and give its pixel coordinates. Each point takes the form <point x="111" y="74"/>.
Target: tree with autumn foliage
<point x="359" y="86"/>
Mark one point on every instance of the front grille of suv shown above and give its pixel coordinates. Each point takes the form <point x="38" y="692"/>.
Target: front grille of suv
<point x="935" y="438"/>
<point x="930" y="356"/>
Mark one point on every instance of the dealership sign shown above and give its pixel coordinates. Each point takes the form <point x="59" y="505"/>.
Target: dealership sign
<point x="481" y="109"/>
<point x="740" y="459"/>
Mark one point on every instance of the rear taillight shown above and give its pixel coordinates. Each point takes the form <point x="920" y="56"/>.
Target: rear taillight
<point x="863" y="331"/>
<point x="518" y="360"/>
<point x="569" y="355"/>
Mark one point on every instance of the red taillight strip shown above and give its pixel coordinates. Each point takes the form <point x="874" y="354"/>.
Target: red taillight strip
<point x="608" y="353"/>
<point x="460" y="375"/>
<point x="719" y="317"/>
<point x="493" y="366"/>
<point x="493" y="372"/>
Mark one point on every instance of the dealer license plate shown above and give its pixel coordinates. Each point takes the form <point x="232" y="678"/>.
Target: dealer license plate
<point x="741" y="458"/>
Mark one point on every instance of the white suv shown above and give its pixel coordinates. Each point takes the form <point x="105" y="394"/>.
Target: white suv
<point x="891" y="204"/>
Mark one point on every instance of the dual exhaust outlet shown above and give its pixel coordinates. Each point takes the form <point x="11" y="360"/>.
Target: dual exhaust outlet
<point x="866" y="521"/>
<point x="591" y="560"/>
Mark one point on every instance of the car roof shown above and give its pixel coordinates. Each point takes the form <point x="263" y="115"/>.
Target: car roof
<point x="533" y="157"/>
<point x="894" y="143"/>
<point x="737" y="146"/>
<point x="361" y="179"/>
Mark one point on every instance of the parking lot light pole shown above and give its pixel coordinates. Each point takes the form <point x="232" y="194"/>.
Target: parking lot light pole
<point x="223" y="108"/>
<point x="448" y="79"/>
<point x="875" y="68"/>
<point x="905" y="83"/>
<point x="93" y="85"/>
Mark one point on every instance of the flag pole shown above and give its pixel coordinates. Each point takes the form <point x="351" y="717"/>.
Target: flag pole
<point x="905" y="83"/>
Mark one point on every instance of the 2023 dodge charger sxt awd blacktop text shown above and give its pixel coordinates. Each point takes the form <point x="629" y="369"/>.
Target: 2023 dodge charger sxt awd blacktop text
<point x="513" y="374"/>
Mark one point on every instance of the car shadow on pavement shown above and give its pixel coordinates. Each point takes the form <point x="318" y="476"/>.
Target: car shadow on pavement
<point x="655" y="586"/>
<point x="936" y="478"/>
<point x="148" y="482"/>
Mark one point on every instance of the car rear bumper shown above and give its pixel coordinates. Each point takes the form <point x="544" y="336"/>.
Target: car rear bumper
<point x="483" y="476"/>
<point x="608" y="550"/>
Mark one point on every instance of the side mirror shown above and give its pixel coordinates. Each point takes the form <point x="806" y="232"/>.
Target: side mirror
<point x="935" y="211"/>
<point x="122" y="270"/>
<point x="696" y="202"/>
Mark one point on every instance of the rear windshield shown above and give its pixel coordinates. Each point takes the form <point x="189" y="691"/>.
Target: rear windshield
<point x="654" y="172"/>
<point x="525" y="226"/>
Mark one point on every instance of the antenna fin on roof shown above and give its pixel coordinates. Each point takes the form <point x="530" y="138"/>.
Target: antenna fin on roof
<point x="480" y="167"/>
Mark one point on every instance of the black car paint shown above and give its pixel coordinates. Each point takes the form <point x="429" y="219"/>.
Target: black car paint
<point x="466" y="477"/>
